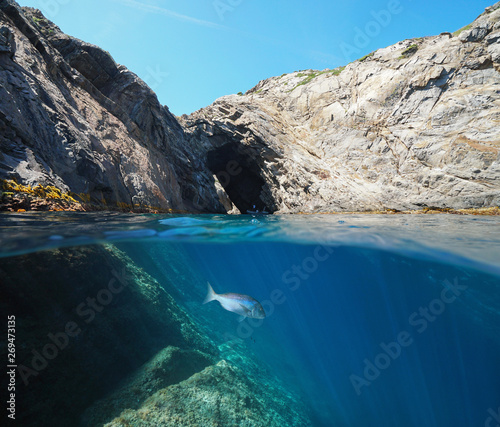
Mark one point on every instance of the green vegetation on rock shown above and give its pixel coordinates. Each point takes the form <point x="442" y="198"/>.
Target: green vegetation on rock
<point x="338" y="70"/>
<point x="37" y="21"/>
<point x="366" y="57"/>
<point x="411" y="50"/>
<point x="310" y="76"/>
<point x="467" y="27"/>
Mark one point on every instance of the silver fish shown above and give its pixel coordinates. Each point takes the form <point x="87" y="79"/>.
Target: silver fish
<point x="243" y="305"/>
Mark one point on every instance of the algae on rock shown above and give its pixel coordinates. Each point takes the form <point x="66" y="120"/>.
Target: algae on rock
<point x="220" y="395"/>
<point x="170" y="366"/>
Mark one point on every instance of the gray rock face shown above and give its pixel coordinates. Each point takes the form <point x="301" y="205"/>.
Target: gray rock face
<point x="412" y="125"/>
<point x="7" y="42"/>
<point x="71" y="117"/>
<point x="475" y="34"/>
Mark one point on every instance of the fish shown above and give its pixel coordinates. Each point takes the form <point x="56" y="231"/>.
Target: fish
<point x="243" y="305"/>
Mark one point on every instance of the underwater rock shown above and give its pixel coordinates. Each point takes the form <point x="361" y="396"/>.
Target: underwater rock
<point x="238" y="390"/>
<point x="170" y="366"/>
<point x="86" y="317"/>
<point x="220" y="395"/>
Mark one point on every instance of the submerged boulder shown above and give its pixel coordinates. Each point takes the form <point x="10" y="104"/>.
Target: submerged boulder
<point x="220" y="395"/>
<point x="170" y="366"/>
<point x="179" y="388"/>
<point x="86" y="317"/>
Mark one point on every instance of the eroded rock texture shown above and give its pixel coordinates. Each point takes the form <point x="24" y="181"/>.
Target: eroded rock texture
<point x="411" y="125"/>
<point x="220" y="395"/>
<point x="71" y="117"/>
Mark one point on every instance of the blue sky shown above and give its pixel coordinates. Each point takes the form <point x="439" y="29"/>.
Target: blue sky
<point x="194" y="51"/>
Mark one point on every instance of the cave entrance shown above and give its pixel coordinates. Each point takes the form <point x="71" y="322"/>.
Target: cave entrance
<point x="240" y="175"/>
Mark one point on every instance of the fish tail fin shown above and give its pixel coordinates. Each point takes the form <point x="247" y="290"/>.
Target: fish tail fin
<point x="211" y="295"/>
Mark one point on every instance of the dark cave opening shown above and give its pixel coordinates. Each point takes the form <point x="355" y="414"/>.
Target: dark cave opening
<point x="240" y="175"/>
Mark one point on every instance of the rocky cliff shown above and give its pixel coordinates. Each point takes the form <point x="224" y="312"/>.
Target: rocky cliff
<point x="412" y="125"/>
<point x="409" y="126"/>
<point x="72" y="118"/>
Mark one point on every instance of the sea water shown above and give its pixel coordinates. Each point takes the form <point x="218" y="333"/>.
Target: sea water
<point x="390" y="320"/>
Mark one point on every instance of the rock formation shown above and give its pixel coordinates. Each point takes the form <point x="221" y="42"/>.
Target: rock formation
<point x="72" y="118"/>
<point x="170" y="366"/>
<point x="234" y="391"/>
<point x="220" y="395"/>
<point x="409" y="126"/>
<point x="100" y="340"/>
<point x="86" y="317"/>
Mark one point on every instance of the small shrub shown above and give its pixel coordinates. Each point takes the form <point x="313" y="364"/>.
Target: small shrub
<point x="310" y="76"/>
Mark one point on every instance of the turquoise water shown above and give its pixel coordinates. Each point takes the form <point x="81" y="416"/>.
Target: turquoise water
<point x="371" y="320"/>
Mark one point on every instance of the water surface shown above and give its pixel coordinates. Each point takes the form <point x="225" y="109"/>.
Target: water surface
<point x="387" y="320"/>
